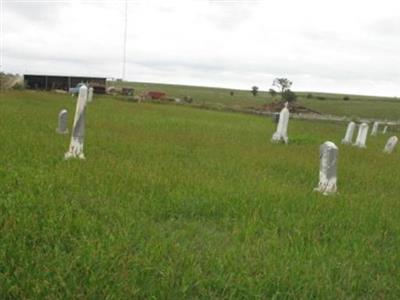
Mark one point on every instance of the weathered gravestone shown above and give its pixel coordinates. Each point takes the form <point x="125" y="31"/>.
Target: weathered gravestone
<point x="385" y="130"/>
<point x="62" y="122"/>
<point x="375" y="128"/>
<point x="90" y="94"/>
<point x="328" y="169"/>
<point x="348" y="139"/>
<point x="362" y="136"/>
<point x="78" y="129"/>
<point x="281" y="131"/>
<point x="391" y="144"/>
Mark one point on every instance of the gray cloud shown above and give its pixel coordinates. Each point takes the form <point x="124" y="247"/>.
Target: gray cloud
<point x="226" y="43"/>
<point x="385" y="27"/>
<point x="34" y="11"/>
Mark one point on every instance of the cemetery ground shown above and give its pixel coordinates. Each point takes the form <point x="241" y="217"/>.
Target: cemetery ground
<point x="179" y="203"/>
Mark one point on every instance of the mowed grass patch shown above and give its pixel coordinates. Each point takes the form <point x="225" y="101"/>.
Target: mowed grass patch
<point x="177" y="203"/>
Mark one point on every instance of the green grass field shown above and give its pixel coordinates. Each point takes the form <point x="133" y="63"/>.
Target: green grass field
<point x="180" y="203"/>
<point x="357" y="106"/>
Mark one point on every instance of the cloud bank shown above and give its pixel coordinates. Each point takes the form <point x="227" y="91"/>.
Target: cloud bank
<point x="337" y="46"/>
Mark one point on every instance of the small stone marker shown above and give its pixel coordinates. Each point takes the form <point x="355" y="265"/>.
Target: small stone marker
<point x="281" y="131"/>
<point x="90" y="94"/>
<point x="362" y="136"/>
<point x="375" y="128"/>
<point x="62" y="122"/>
<point x="348" y="139"/>
<point x="385" y="130"/>
<point x="78" y="129"/>
<point x="391" y="144"/>
<point x="328" y="169"/>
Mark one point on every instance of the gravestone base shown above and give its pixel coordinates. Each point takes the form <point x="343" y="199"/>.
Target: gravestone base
<point x="75" y="149"/>
<point x="62" y="132"/>
<point x="327" y="188"/>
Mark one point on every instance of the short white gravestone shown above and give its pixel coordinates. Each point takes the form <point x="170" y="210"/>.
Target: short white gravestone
<point x="90" y="94"/>
<point x="391" y="144"/>
<point x="348" y="139"/>
<point x="328" y="168"/>
<point x="62" y="122"/>
<point x="362" y="136"/>
<point x="375" y="128"/>
<point x="281" y="131"/>
<point x="385" y="130"/>
<point x="78" y="129"/>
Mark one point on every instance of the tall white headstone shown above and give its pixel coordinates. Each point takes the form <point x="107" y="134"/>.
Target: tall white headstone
<point x="348" y="139"/>
<point x="385" y="129"/>
<point x="375" y="128"/>
<point x="362" y="136"/>
<point x="328" y="168"/>
<point x="391" y="144"/>
<point x="281" y="131"/>
<point x="62" y="122"/>
<point x="78" y="129"/>
<point x="90" y="94"/>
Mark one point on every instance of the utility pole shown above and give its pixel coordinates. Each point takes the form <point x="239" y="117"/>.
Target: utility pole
<point x="1" y="46"/>
<point x="125" y="40"/>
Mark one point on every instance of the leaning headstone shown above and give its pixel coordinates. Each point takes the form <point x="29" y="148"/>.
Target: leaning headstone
<point x="78" y="129"/>
<point x="385" y="130"/>
<point x="62" y="122"/>
<point x="328" y="169"/>
<point x="348" y="139"/>
<point x="391" y="144"/>
<point x="375" y="128"/>
<point x="281" y="131"/>
<point x="90" y="94"/>
<point x="362" y="136"/>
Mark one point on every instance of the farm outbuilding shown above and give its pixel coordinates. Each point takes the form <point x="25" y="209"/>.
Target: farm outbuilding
<point x="156" y="95"/>
<point x="50" y="82"/>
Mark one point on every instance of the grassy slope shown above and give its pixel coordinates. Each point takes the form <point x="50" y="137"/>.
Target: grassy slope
<point x="357" y="106"/>
<point x="179" y="203"/>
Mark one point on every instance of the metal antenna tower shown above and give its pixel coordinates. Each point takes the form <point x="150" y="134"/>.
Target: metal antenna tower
<point x="125" y="40"/>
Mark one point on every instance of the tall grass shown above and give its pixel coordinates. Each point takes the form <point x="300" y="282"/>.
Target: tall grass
<point x="177" y="203"/>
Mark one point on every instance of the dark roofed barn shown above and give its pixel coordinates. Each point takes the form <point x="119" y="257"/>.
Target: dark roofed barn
<point x="49" y="82"/>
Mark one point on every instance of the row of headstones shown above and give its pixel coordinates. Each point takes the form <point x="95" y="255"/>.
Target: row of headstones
<point x="78" y="127"/>
<point x="329" y="151"/>
<point x="363" y="133"/>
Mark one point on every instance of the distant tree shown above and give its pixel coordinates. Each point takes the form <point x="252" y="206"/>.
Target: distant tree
<point x="289" y="96"/>
<point x="254" y="90"/>
<point x="272" y="92"/>
<point x="232" y="93"/>
<point x="282" y="84"/>
<point x="346" y="98"/>
<point x="309" y="96"/>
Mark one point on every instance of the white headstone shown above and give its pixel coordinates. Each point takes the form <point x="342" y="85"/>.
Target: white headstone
<point x="328" y="168"/>
<point x="281" y="131"/>
<point x="78" y="129"/>
<point x="90" y="94"/>
<point x="385" y="130"/>
<point x="362" y="136"/>
<point x="375" y="128"/>
<point x="348" y="139"/>
<point x="62" y="122"/>
<point x="391" y="144"/>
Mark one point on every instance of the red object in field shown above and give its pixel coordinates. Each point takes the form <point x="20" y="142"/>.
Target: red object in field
<point x="156" y="95"/>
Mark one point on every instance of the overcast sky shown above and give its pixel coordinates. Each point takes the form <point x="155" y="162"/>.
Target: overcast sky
<point x="348" y="46"/>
